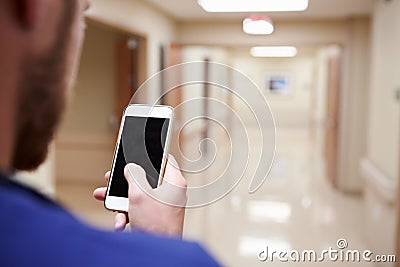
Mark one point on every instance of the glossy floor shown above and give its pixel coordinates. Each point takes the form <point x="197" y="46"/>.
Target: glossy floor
<point x="295" y="209"/>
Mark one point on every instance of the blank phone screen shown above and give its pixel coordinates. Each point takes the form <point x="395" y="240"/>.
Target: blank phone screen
<point x="142" y="142"/>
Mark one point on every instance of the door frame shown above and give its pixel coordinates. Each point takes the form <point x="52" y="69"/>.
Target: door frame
<point x="141" y="52"/>
<point x="142" y="72"/>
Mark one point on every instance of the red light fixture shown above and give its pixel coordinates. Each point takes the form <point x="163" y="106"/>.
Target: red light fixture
<point x="258" y="24"/>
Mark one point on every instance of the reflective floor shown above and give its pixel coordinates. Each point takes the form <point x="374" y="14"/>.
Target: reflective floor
<point x="295" y="209"/>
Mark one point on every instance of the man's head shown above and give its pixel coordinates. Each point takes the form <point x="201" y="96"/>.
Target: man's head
<point x="40" y="47"/>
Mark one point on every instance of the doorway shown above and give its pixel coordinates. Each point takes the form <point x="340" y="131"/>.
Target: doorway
<point x="113" y="65"/>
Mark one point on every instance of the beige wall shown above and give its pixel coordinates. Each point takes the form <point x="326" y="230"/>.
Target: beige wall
<point x="289" y="110"/>
<point x="137" y="17"/>
<point x="193" y="92"/>
<point x="380" y="166"/>
<point x="353" y="110"/>
<point x="294" y="33"/>
<point x="93" y="97"/>
<point x="383" y="139"/>
<point x="319" y="108"/>
<point x="84" y="144"/>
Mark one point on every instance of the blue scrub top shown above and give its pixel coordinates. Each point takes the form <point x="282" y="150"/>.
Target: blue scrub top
<point x="35" y="231"/>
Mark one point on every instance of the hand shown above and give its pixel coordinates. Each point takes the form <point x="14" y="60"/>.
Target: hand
<point x="160" y="210"/>
<point x="147" y="212"/>
<point x="121" y="218"/>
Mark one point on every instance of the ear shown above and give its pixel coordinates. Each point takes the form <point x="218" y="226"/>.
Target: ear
<point x="27" y="12"/>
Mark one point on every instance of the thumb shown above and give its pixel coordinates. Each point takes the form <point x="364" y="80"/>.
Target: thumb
<point x="136" y="178"/>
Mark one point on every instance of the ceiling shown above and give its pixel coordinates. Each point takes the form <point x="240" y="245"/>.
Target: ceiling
<point x="189" y="10"/>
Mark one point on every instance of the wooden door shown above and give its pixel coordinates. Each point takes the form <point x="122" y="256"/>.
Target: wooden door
<point x="174" y="98"/>
<point x="174" y="57"/>
<point x="130" y="67"/>
<point x="332" y="118"/>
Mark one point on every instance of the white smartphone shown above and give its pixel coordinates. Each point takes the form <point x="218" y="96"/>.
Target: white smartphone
<point x="143" y="139"/>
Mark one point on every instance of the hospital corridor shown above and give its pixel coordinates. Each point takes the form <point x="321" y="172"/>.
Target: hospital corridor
<point x="319" y="95"/>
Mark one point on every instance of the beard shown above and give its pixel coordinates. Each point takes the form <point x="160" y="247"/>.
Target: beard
<point x="42" y="99"/>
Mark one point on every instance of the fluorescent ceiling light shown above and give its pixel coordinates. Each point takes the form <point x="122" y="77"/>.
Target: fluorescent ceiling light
<point x="273" y="51"/>
<point x="253" y="5"/>
<point x="258" y="25"/>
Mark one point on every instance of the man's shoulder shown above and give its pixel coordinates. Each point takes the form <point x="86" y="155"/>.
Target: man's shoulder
<point x="47" y="234"/>
<point x="170" y="252"/>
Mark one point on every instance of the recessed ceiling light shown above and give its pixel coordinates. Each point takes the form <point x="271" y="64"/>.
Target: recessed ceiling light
<point x="258" y="24"/>
<point x="273" y="51"/>
<point x="253" y="5"/>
